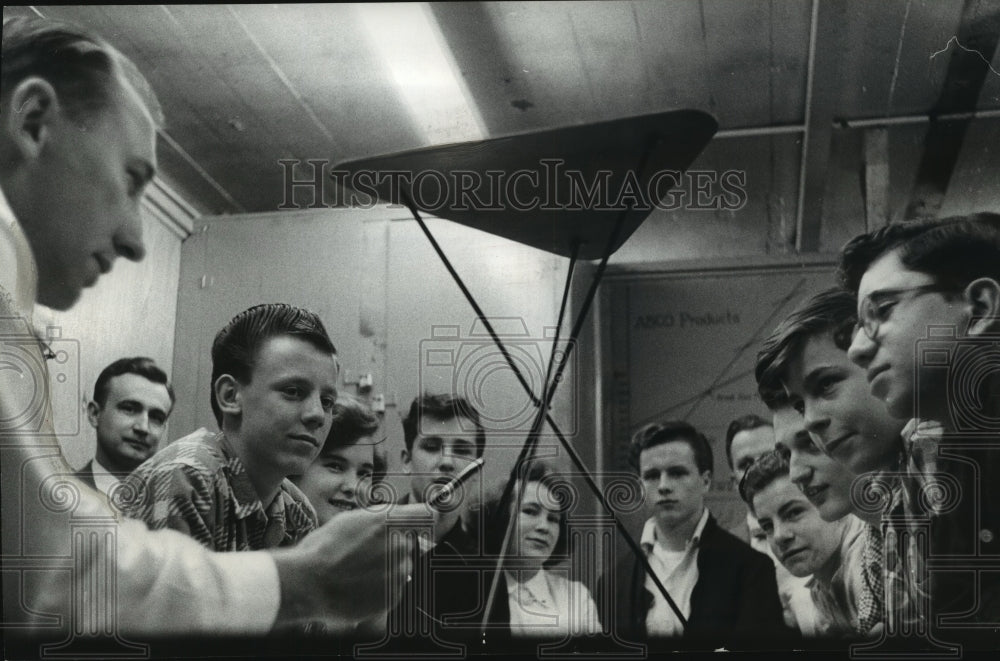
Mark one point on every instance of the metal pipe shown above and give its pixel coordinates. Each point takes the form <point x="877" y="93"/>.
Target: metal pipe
<point x="804" y="163"/>
<point x="862" y="123"/>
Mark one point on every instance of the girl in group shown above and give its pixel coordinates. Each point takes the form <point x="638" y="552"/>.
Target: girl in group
<point x="343" y="471"/>
<point x="542" y="601"/>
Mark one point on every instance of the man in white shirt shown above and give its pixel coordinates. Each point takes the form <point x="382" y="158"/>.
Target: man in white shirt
<point x="129" y="411"/>
<point x="77" y="147"/>
<point x="725" y="591"/>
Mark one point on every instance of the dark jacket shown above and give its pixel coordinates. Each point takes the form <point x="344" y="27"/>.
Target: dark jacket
<point x="734" y="604"/>
<point x="441" y="609"/>
<point x="966" y="604"/>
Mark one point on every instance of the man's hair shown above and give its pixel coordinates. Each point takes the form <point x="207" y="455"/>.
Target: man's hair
<point x="497" y="512"/>
<point x="81" y="67"/>
<point x="237" y="345"/>
<point x="441" y="407"/>
<point x="954" y="251"/>
<point x="743" y="423"/>
<point x="658" y="433"/>
<point x="831" y="311"/>
<point x="140" y="365"/>
<point x="766" y="469"/>
<point x="352" y="420"/>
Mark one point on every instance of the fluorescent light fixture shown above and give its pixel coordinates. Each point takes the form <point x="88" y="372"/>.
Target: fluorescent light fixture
<point x="409" y="41"/>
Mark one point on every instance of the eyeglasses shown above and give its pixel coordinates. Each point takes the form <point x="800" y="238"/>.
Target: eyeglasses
<point x="872" y="312"/>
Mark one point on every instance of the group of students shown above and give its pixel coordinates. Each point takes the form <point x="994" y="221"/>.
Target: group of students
<point x="876" y="481"/>
<point x="291" y="455"/>
<point x="885" y="395"/>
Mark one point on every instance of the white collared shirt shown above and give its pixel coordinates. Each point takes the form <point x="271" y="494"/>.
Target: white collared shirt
<point x="104" y="480"/>
<point x="18" y="272"/>
<point x="678" y="571"/>
<point x="550" y="605"/>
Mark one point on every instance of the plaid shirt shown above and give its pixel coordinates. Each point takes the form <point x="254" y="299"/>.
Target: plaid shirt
<point x="850" y="601"/>
<point x="871" y="600"/>
<point x="198" y="486"/>
<point x="906" y="528"/>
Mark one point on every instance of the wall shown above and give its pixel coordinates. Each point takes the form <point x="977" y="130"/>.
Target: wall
<point x="129" y="312"/>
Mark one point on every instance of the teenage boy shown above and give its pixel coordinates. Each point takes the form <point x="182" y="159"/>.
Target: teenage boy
<point x="274" y="378"/>
<point x="747" y="438"/>
<point x="807" y="354"/>
<point x="443" y="434"/>
<point x="803" y="369"/>
<point x="928" y="314"/>
<point x="724" y="589"/>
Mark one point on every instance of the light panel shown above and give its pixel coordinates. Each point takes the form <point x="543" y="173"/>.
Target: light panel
<point x="407" y="38"/>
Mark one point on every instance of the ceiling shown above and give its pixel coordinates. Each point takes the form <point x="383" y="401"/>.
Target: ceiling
<point x="826" y="105"/>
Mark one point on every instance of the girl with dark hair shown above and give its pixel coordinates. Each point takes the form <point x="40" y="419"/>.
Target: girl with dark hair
<point x="542" y="601"/>
<point x="341" y="475"/>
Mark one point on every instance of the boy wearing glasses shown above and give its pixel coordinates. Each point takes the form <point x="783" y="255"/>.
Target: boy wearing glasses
<point x="929" y="311"/>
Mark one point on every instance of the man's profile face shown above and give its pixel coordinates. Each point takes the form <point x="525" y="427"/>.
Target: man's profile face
<point x="748" y="445"/>
<point x="131" y="422"/>
<point x="673" y="486"/>
<point x="88" y="183"/>
<point x="801" y="540"/>
<point x="441" y="450"/>
<point x="843" y="418"/>
<point x="890" y="358"/>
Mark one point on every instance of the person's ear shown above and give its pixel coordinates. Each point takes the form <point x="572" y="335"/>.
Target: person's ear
<point x="706" y="480"/>
<point x="983" y="298"/>
<point x="404" y="456"/>
<point x="229" y="395"/>
<point x="93" y="410"/>
<point x="34" y="107"/>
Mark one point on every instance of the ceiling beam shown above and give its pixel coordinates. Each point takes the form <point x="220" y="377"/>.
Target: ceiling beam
<point x="823" y="88"/>
<point x="876" y="178"/>
<point x="972" y="49"/>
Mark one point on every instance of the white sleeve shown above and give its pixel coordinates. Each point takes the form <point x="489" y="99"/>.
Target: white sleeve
<point x="65" y="551"/>
<point x="169" y="583"/>
<point x="125" y="577"/>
